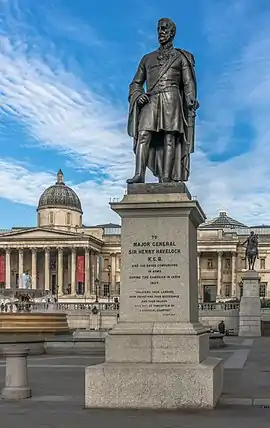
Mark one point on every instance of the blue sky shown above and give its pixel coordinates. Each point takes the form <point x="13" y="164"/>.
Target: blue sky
<point x="65" y="68"/>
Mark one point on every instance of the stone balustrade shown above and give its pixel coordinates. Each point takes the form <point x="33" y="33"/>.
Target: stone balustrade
<point x="83" y="315"/>
<point x="58" y="307"/>
<point x="220" y="306"/>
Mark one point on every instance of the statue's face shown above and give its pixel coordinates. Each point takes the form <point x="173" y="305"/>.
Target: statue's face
<point x="164" y="32"/>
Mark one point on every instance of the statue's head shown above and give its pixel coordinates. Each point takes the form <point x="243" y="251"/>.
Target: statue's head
<point x="252" y="233"/>
<point x="166" y="30"/>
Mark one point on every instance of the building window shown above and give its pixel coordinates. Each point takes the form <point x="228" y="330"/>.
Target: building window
<point x="210" y="264"/>
<point x="106" y="264"/>
<point x="262" y="264"/>
<point x="227" y="290"/>
<point x="51" y="218"/>
<point x="106" y="290"/>
<point x="263" y="288"/>
<point x="244" y="263"/>
<point x="227" y="264"/>
<point x="68" y="218"/>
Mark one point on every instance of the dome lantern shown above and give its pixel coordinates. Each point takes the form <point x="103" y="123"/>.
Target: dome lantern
<point x="60" y="177"/>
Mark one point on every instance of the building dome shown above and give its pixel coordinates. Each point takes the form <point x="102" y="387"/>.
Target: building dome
<point x="60" y="196"/>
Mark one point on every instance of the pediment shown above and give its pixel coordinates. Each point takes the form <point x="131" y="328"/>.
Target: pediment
<point x="39" y="232"/>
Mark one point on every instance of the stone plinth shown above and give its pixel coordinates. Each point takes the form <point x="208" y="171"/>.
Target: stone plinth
<point x="250" y="306"/>
<point x="16" y="384"/>
<point x="157" y="355"/>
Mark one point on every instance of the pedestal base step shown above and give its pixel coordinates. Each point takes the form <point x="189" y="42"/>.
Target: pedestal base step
<point x="154" y="386"/>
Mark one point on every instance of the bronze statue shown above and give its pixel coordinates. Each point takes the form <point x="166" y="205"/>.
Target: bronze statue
<point x="251" y="250"/>
<point x="162" y="118"/>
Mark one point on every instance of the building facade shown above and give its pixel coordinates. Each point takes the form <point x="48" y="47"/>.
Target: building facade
<point x="63" y="256"/>
<point x="221" y="258"/>
<point x="60" y="254"/>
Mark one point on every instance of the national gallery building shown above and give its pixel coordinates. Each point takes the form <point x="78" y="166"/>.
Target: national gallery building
<point x="71" y="260"/>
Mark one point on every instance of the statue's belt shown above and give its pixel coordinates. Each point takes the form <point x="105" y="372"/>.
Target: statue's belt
<point x="161" y="90"/>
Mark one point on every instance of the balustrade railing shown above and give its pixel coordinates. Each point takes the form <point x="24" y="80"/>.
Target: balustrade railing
<point x="220" y="306"/>
<point x="57" y="307"/>
<point x="100" y="307"/>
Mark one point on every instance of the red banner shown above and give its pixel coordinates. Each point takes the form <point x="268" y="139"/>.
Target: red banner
<point x="80" y="269"/>
<point x="2" y="269"/>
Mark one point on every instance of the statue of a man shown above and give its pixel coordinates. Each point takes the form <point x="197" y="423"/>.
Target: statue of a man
<point x="251" y="249"/>
<point x="162" y="118"/>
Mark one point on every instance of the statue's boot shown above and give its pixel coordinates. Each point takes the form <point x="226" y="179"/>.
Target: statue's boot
<point x="141" y="162"/>
<point x="169" y="150"/>
<point x="136" y="179"/>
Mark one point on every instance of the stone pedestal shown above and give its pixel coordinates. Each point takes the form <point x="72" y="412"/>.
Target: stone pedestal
<point x="157" y="355"/>
<point x="16" y="385"/>
<point x="250" y="306"/>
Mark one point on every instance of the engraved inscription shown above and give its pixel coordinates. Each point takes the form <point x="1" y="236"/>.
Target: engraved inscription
<point x="155" y="267"/>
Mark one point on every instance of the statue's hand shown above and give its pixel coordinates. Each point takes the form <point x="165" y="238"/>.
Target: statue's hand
<point x="142" y="100"/>
<point x="193" y="105"/>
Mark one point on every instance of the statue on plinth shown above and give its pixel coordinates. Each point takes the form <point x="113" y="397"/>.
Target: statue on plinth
<point x="162" y="118"/>
<point x="252" y="252"/>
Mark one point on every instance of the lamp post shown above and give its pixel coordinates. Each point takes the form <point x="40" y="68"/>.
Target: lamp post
<point x="109" y="282"/>
<point x="97" y="287"/>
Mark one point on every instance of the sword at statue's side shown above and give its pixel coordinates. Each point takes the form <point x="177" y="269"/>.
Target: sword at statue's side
<point x="190" y="136"/>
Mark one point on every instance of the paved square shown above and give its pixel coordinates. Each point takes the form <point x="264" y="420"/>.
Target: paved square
<point x="57" y="384"/>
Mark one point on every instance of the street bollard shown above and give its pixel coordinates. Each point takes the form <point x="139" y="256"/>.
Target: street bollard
<point x="16" y="382"/>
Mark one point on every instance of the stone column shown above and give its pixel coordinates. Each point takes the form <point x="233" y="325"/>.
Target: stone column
<point x="69" y="268"/>
<point x="96" y="271"/>
<point x="219" y="275"/>
<point x="113" y="274"/>
<point x="73" y="271"/>
<point x="7" y="285"/>
<point x="234" y="269"/>
<point x="60" y="271"/>
<point x="91" y="273"/>
<point x="200" y="292"/>
<point x="34" y="268"/>
<point x="16" y="385"/>
<point x="20" y="266"/>
<point x="87" y="290"/>
<point x="47" y="269"/>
